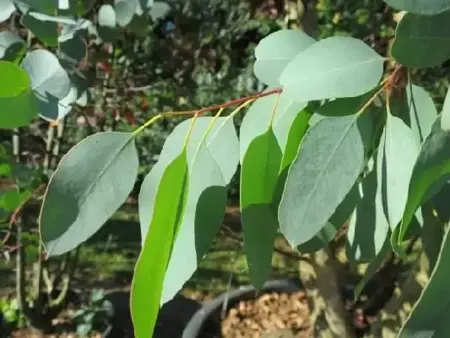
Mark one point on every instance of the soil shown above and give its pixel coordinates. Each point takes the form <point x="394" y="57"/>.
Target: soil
<point x="272" y="315"/>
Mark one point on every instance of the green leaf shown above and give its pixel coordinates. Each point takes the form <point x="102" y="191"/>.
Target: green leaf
<point x="373" y="267"/>
<point x="297" y="131"/>
<point x="209" y="171"/>
<point x="204" y="211"/>
<point x="327" y="70"/>
<point x="54" y="110"/>
<point x="431" y="235"/>
<point x="152" y="263"/>
<point x="16" y="98"/>
<point x="422" y="41"/>
<point x="368" y="228"/>
<point x="416" y="108"/>
<point x="258" y="119"/>
<point x="275" y="51"/>
<point x="445" y="114"/>
<point x="397" y="155"/>
<point x="424" y="7"/>
<point x="159" y="10"/>
<point x="46" y="31"/>
<point x="125" y="10"/>
<point x="6" y="9"/>
<point x="11" y="46"/>
<point x="56" y="7"/>
<point x="12" y="199"/>
<point x="429" y="316"/>
<point x="258" y="215"/>
<point x="432" y="163"/>
<point x="91" y="182"/>
<point x="328" y="163"/>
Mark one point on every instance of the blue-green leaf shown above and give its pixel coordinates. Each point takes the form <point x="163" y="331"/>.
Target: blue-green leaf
<point x="423" y="7"/>
<point x="80" y="198"/>
<point x="329" y="160"/>
<point x="275" y="51"/>
<point x="327" y="70"/>
<point x="11" y="46"/>
<point x="445" y="115"/>
<point x="422" y="41"/>
<point x="6" y="9"/>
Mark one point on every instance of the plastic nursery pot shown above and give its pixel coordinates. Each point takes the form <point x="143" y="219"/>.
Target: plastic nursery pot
<point x="206" y="322"/>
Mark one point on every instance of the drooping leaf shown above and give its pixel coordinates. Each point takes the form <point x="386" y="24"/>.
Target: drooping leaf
<point x="275" y="51"/>
<point x="226" y="157"/>
<point x="80" y="198"/>
<point x="125" y="10"/>
<point x="432" y="163"/>
<point x="152" y="263"/>
<point x="204" y="211"/>
<point x="428" y="317"/>
<point x="337" y="220"/>
<point x="6" y="9"/>
<point x="445" y="114"/>
<point x="258" y="118"/>
<point x="258" y="215"/>
<point x="17" y="101"/>
<point x="48" y="79"/>
<point x="11" y="46"/>
<point x="368" y="228"/>
<point x="422" y="41"/>
<point x="327" y="70"/>
<point x="423" y="7"/>
<point x="210" y="169"/>
<point x="416" y="108"/>
<point x="395" y="163"/>
<point x="327" y="165"/>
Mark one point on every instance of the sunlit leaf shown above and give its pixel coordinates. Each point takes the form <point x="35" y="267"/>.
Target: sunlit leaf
<point x="327" y="70"/>
<point x="18" y="104"/>
<point x="80" y="198"/>
<point x="422" y="41"/>
<point x="397" y="155"/>
<point x="328" y="163"/>
<point x="204" y="211"/>
<point x="124" y="11"/>
<point x="258" y="117"/>
<point x="157" y="247"/>
<point x="275" y="51"/>
<point x="259" y="221"/>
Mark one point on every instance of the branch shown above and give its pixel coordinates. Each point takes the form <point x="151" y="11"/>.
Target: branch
<point x="226" y="104"/>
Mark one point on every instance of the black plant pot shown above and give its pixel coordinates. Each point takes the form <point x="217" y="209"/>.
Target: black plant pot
<point x="206" y="321"/>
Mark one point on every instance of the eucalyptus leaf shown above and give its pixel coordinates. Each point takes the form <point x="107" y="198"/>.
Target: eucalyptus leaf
<point x="152" y="263"/>
<point x="329" y="160"/>
<point x="125" y="10"/>
<point x="327" y="70"/>
<point x="422" y="41"/>
<point x="275" y="51"/>
<point x="258" y="215"/>
<point x="16" y="98"/>
<point x="6" y="9"/>
<point x="395" y="165"/>
<point x="422" y="7"/>
<point x="445" y="115"/>
<point x="11" y="46"/>
<point x="432" y="164"/>
<point x="79" y="198"/>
